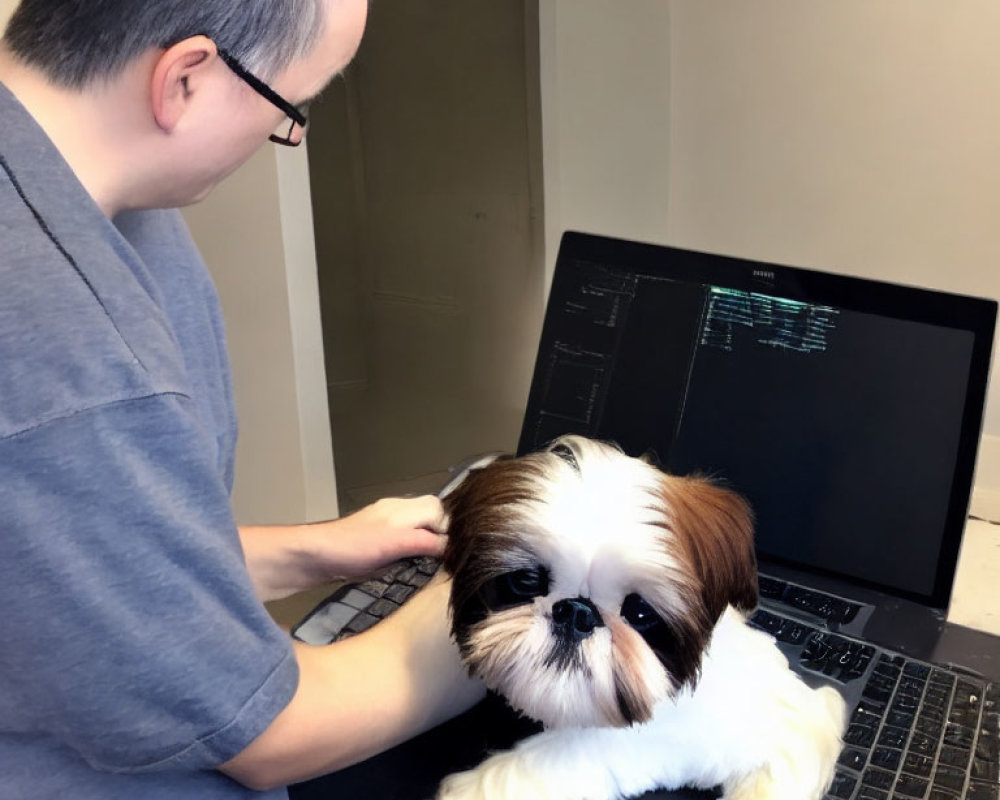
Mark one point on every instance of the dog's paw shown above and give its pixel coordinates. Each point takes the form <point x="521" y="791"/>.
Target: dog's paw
<point x="461" y="786"/>
<point x="500" y="777"/>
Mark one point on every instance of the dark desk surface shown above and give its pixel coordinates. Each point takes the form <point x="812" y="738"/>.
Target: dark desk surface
<point x="413" y="770"/>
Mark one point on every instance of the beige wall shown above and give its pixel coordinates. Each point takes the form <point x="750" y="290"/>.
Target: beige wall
<point x="426" y="179"/>
<point x="858" y="136"/>
<point x="255" y="231"/>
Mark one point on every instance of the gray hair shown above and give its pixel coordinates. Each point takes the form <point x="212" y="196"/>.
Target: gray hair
<point x="77" y="42"/>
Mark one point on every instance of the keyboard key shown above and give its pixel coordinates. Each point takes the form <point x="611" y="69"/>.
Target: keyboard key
<point x="937" y="697"/>
<point x="426" y="565"/>
<point x="859" y="736"/>
<point x="399" y="592"/>
<point x="918" y="765"/>
<point x="374" y="586"/>
<point x="916" y="670"/>
<point x="982" y="791"/>
<point x="906" y="703"/>
<point x="965" y="717"/>
<point x="968" y="694"/>
<point x="792" y="632"/>
<point x="991" y="697"/>
<point x="421" y="579"/>
<point x="985" y="770"/>
<point x="959" y="736"/>
<point x="842" y="786"/>
<point x="407" y="575"/>
<point x="893" y="737"/>
<point x="931" y="722"/>
<point x="950" y="778"/>
<point x="878" y="778"/>
<point x="382" y="607"/>
<point x="987" y="746"/>
<point x="888" y="665"/>
<point x="943" y="680"/>
<point x="941" y="794"/>
<point x="923" y="745"/>
<point x="911" y="786"/>
<point x="878" y="689"/>
<point x="865" y="716"/>
<point x="362" y="622"/>
<point x="853" y="758"/>
<point x="911" y="686"/>
<point x="886" y="757"/>
<point x="871" y="793"/>
<point x="357" y="599"/>
<point x="901" y="719"/>
<point x="336" y="615"/>
<point x="954" y="757"/>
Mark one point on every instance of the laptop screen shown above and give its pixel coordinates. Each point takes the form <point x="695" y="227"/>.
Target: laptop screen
<point x="847" y="411"/>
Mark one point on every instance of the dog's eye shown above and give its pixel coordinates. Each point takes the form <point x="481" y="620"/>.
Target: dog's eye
<point x="523" y="584"/>
<point x="638" y="613"/>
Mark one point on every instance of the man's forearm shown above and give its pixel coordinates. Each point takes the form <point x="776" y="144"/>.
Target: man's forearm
<point x="282" y="560"/>
<point x="363" y="695"/>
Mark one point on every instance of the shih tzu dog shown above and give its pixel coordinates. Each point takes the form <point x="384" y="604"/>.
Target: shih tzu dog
<point x="607" y="600"/>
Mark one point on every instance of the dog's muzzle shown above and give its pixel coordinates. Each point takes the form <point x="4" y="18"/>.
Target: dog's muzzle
<point x="575" y="619"/>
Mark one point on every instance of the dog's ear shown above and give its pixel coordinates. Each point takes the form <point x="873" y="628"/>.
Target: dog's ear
<point x="472" y="489"/>
<point x="713" y="527"/>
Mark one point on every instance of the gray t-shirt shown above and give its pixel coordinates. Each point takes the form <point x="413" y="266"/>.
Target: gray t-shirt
<point x="134" y="655"/>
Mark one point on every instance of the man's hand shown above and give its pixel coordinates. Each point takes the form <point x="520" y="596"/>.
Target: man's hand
<point x="381" y="533"/>
<point x="286" y="560"/>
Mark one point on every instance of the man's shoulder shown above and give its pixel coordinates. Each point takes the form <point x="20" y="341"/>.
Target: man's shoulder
<point x="77" y="328"/>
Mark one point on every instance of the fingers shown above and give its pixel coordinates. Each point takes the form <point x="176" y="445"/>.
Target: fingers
<point x="427" y="543"/>
<point x="424" y="512"/>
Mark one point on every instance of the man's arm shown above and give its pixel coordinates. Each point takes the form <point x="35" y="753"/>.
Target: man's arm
<point x="283" y="560"/>
<point x="363" y="695"/>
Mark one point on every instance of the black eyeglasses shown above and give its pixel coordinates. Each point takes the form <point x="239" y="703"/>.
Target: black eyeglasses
<point x="296" y="115"/>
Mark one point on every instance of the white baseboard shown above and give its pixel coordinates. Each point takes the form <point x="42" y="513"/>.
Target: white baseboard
<point x="986" y="491"/>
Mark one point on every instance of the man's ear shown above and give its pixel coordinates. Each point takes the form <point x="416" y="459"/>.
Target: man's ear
<point x="177" y="75"/>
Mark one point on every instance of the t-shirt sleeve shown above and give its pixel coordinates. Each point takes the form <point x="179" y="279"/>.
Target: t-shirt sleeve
<point x="129" y="630"/>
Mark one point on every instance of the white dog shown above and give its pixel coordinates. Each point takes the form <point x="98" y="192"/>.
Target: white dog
<point x="607" y="600"/>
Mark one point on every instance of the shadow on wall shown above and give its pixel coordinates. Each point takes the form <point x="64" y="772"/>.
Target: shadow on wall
<point x="425" y="166"/>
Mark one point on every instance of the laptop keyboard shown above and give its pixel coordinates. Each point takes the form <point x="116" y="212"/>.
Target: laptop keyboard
<point x="355" y="607"/>
<point x="833" y="609"/>
<point x="916" y="730"/>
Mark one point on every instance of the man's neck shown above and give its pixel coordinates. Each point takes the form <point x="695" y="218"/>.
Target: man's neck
<point x="84" y="125"/>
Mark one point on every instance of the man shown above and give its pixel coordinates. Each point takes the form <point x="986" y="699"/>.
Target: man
<point x="136" y="658"/>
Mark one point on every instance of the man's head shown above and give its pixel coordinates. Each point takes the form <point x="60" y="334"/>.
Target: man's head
<point x="75" y="43"/>
<point x="154" y="102"/>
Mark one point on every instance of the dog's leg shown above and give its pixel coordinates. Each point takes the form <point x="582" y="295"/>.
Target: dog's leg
<point x="802" y="762"/>
<point x="581" y="764"/>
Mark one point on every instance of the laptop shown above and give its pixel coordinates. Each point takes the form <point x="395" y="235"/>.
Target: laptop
<point x="848" y="412"/>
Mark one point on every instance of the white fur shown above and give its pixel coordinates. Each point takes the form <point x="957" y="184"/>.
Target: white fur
<point x="751" y="726"/>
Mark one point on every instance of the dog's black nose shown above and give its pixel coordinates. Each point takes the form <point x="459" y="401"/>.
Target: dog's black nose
<point x="576" y="619"/>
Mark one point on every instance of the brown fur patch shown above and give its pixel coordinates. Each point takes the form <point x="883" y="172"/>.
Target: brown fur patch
<point x="631" y="688"/>
<point x="712" y="534"/>
<point x="482" y="537"/>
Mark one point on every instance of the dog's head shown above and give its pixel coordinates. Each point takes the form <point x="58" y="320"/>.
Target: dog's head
<point x="587" y="583"/>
